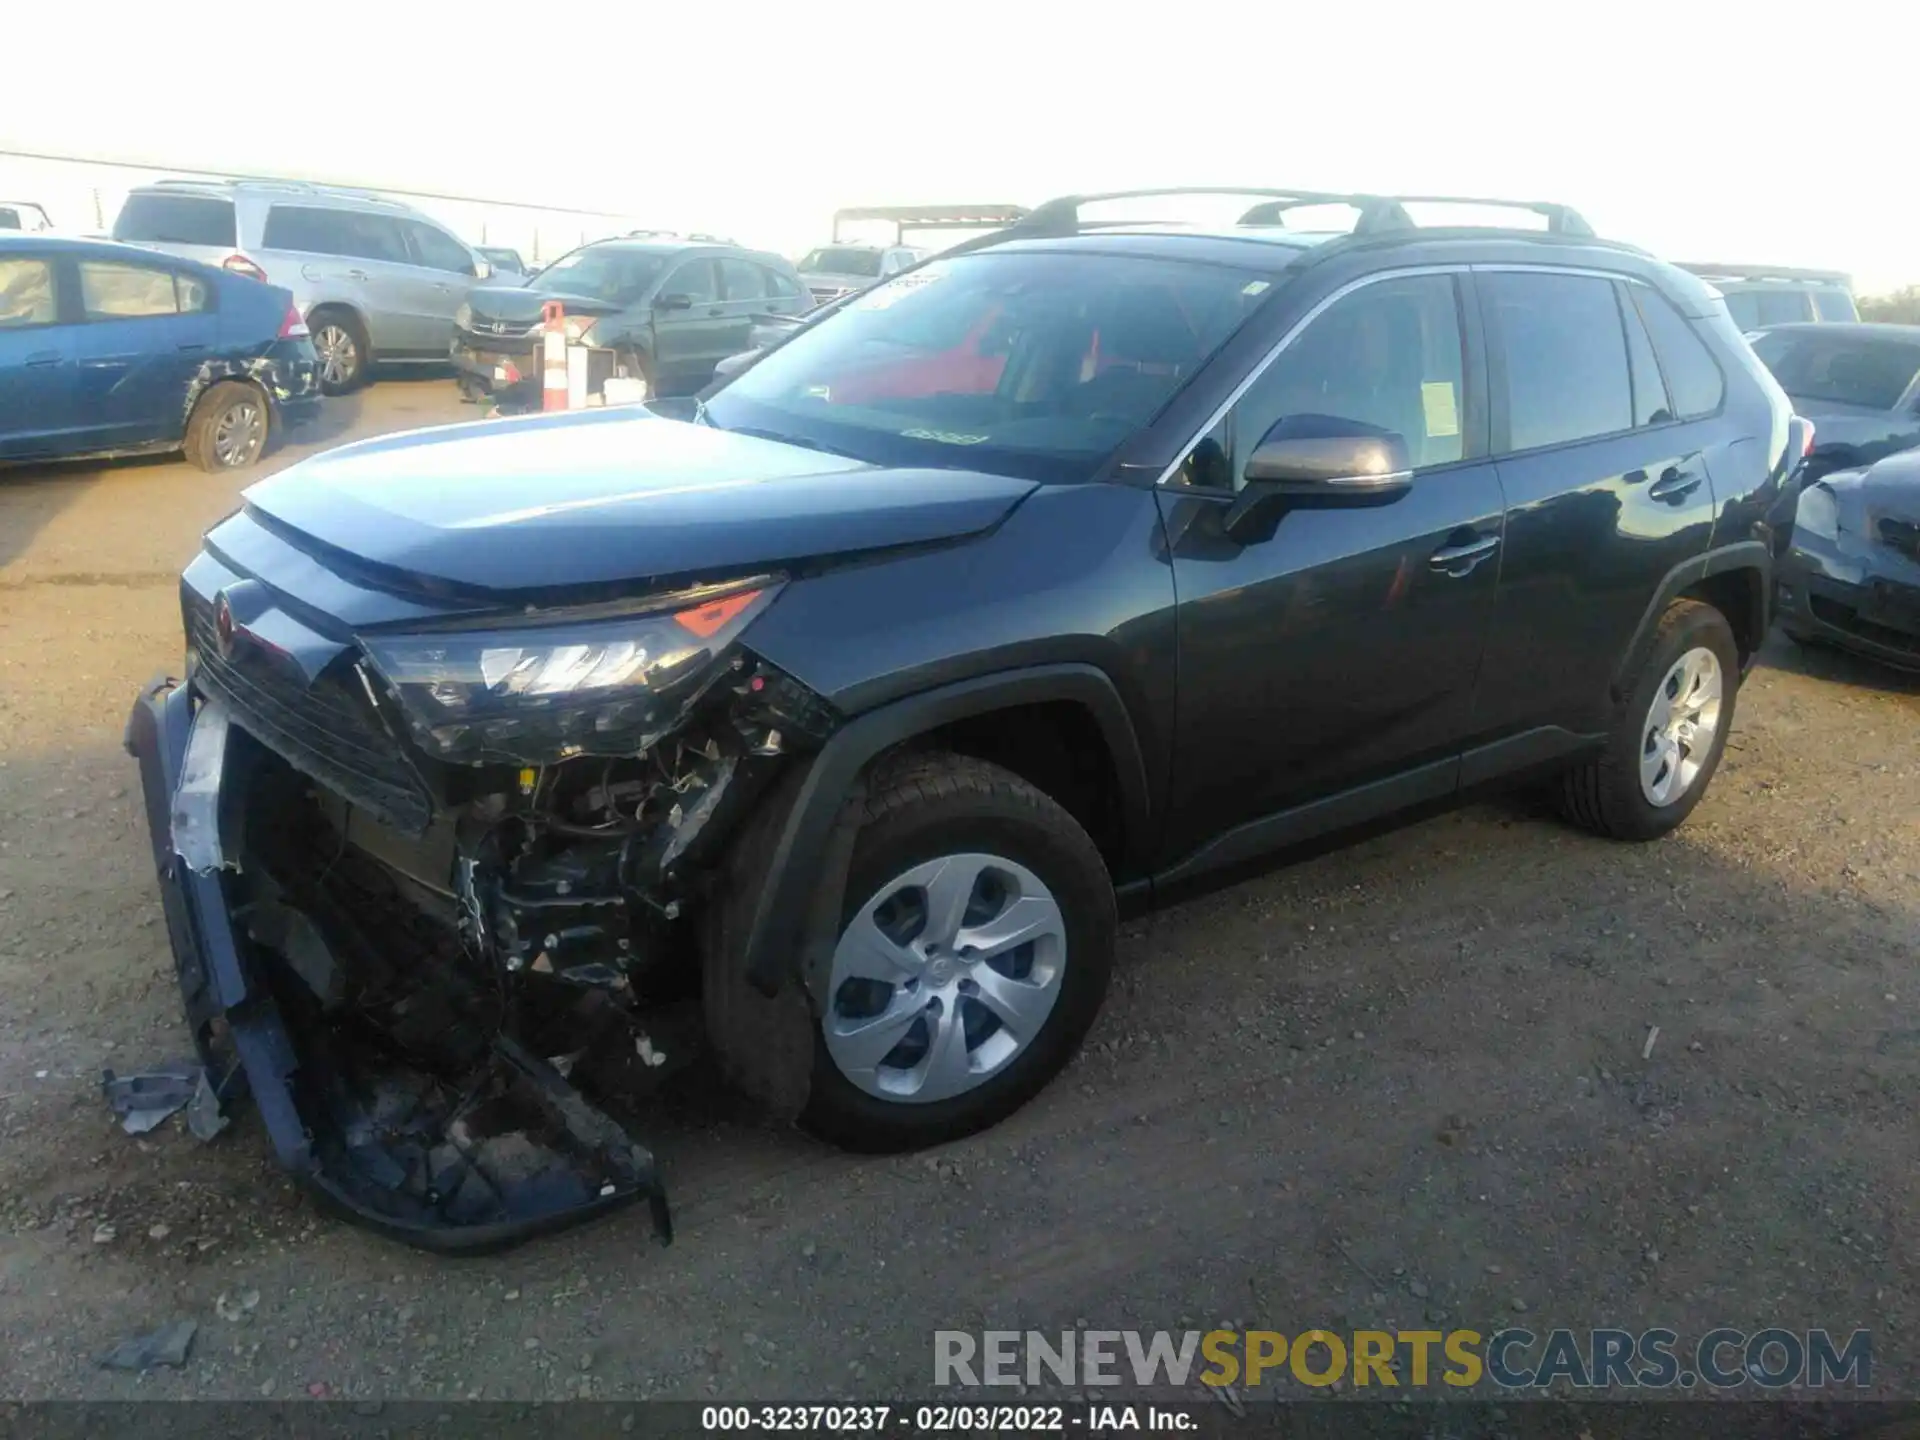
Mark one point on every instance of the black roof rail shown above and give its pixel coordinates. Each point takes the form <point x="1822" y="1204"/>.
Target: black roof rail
<point x="1378" y="213"/>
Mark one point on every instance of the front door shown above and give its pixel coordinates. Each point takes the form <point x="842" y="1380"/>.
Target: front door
<point x="1607" y="485"/>
<point x="690" y="338"/>
<point x="446" y="273"/>
<point x="146" y="335"/>
<point x="36" y="360"/>
<point x="1335" y="661"/>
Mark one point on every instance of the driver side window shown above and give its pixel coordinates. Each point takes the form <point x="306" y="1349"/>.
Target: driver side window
<point x="1387" y="357"/>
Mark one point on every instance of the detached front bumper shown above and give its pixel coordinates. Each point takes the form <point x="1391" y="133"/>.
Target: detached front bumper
<point x="1856" y="596"/>
<point x="501" y="368"/>
<point x="426" y="1178"/>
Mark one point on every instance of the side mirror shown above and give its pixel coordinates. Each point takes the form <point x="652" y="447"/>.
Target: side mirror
<point x="675" y="301"/>
<point x="1317" y="462"/>
<point x="482" y="269"/>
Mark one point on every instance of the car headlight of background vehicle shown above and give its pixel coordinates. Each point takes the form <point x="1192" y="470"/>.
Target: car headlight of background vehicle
<point x="463" y="317"/>
<point x="1818" y="513"/>
<point x="541" y="694"/>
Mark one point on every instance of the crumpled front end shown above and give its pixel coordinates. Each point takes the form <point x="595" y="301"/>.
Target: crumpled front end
<point x="446" y="978"/>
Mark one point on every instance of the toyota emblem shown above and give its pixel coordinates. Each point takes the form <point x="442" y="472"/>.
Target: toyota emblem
<point x="223" y="625"/>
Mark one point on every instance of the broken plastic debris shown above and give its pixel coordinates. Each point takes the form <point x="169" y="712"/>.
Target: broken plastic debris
<point x="204" y="1117"/>
<point x="643" y="1047"/>
<point x="196" y="799"/>
<point x="143" y="1101"/>
<point x="166" y="1346"/>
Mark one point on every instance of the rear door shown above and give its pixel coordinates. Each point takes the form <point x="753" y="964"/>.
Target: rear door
<point x="690" y="339"/>
<point x="353" y="257"/>
<point x="145" y="334"/>
<point x="37" y="411"/>
<point x="1607" y="488"/>
<point x="743" y="293"/>
<point x="445" y="274"/>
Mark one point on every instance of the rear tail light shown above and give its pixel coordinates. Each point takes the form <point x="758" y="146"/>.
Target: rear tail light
<point x="1806" y="445"/>
<point x="238" y="264"/>
<point x="293" y="327"/>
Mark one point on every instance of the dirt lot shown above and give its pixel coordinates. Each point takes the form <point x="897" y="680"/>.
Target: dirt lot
<point x="1402" y="1083"/>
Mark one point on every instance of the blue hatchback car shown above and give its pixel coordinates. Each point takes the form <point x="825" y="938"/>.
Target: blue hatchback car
<point x="109" y="349"/>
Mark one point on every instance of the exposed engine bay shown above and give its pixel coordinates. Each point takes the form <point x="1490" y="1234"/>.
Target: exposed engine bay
<point x="469" y="1009"/>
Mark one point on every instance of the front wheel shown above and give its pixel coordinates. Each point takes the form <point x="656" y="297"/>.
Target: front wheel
<point x="1668" y="733"/>
<point x="974" y="952"/>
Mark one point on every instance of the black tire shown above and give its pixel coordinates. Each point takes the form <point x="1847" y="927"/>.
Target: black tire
<point x="355" y="372"/>
<point x="933" y="805"/>
<point x="1603" y="794"/>
<point x="220" y="451"/>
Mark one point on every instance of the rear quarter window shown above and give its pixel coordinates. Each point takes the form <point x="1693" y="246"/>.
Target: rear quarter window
<point x="153" y="219"/>
<point x="1694" y="382"/>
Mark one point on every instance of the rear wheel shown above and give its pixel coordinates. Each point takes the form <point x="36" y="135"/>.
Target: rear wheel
<point x="974" y="953"/>
<point x="229" y="427"/>
<point x="1668" y="733"/>
<point x="340" y="343"/>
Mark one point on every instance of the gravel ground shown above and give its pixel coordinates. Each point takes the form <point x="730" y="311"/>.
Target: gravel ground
<point x="1399" y="1085"/>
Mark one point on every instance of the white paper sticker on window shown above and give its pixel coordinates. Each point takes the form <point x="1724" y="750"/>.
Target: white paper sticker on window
<point x="881" y="297"/>
<point x="1443" y="415"/>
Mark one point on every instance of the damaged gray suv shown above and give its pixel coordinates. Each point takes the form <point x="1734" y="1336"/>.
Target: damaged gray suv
<point x="827" y="722"/>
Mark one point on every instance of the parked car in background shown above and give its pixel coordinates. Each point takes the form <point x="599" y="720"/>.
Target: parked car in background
<point x="23" y="215"/>
<point x="1056" y="575"/>
<point x="376" y="280"/>
<point x="503" y="260"/>
<point x="835" y="270"/>
<point x="108" y="349"/>
<point x="669" y="308"/>
<point x="1761" y="295"/>
<point x="770" y="330"/>
<point x="1859" y="385"/>
<point x="1851" y="577"/>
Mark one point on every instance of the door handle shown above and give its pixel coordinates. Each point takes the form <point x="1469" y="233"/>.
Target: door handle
<point x="43" y="357"/>
<point x="356" y="275"/>
<point x="1459" y="560"/>
<point x="1674" y="484"/>
<point x="192" y="349"/>
<point x="717" y="310"/>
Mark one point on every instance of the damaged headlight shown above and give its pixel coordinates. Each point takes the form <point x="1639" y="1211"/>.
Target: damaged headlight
<point x="1818" y="512"/>
<point x="546" y="693"/>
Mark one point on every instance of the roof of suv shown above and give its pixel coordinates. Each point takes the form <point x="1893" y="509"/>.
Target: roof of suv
<point x="290" y="190"/>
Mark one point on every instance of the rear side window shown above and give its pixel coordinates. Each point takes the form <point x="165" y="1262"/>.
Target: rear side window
<point x="156" y="219"/>
<point x="1566" y="358"/>
<point x="1693" y="378"/>
<point x="26" y="294"/>
<point x="743" y="280"/>
<point x="111" y="291"/>
<point x="1753" y="309"/>
<point x="438" y="250"/>
<point x="316" y="230"/>
<point x="1835" y="305"/>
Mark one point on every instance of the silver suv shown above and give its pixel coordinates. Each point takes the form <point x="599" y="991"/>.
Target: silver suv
<point x="375" y="279"/>
<point x="836" y="270"/>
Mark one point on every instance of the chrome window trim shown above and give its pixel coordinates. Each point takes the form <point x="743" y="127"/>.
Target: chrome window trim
<point x="1293" y="333"/>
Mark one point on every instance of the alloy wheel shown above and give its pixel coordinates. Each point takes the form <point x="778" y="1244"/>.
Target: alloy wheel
<point x="1678" y="735"/>
<point x="240" y="434"/>
<point x="339" y="355"/>
<point x="944" y="977"/>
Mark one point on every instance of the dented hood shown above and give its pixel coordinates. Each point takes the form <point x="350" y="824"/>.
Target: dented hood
<point x="608" y="497"/>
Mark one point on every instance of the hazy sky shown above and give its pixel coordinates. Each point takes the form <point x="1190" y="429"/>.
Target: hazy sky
<point x="1704" y="131"/>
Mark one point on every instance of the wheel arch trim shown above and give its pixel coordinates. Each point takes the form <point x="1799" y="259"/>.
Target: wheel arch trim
<point x="1749" y="555"/>
<point x="799" y="864"/>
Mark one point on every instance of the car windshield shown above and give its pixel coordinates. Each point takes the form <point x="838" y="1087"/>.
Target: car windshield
<point x="843" y="260"/>
<point x="1841" y="369"/>
<point x="618" y="277"/>
<point x="1037" y="365"/>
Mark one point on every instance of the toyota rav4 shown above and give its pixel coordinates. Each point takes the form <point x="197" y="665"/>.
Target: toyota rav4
<point x="828" y="723"/>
